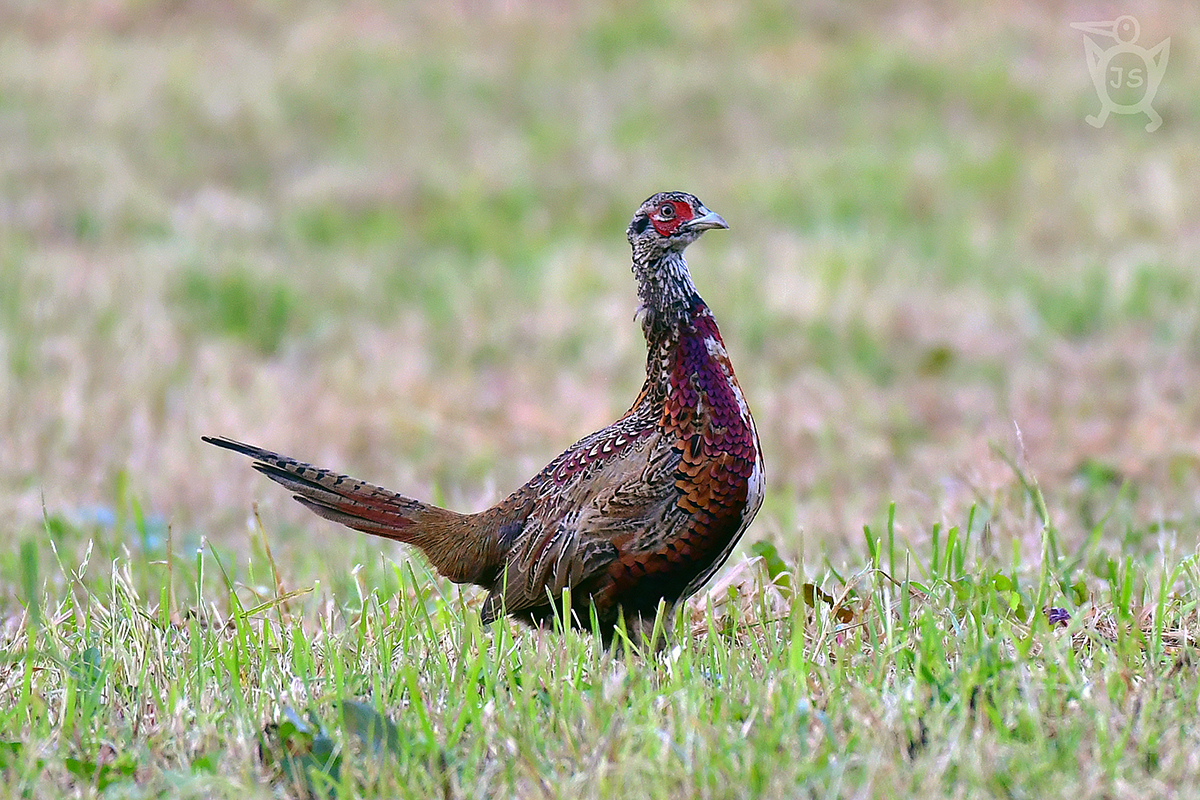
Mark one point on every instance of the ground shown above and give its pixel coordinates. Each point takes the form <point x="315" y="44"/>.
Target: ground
<point x="388" y="239"/>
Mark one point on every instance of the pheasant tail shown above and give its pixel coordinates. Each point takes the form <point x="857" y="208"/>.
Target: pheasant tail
<point x="458" y="545"/>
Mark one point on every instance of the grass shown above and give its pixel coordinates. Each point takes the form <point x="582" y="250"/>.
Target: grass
<point x="236" y="303"/>
<point x="387" y="239"/>
<point x="937" y="670"/>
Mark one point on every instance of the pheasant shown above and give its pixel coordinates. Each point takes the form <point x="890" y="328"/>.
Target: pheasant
<point x="643" y="511"/>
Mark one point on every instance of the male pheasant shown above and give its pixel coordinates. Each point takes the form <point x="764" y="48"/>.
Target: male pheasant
<point x="643" y="511"/>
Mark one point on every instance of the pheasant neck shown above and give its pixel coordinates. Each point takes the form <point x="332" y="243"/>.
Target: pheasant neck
<point x="683" y="358"/>
<point x="667" y="293"/>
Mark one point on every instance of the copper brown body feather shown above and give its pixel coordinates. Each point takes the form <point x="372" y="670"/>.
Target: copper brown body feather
<point x="640" y="512"/>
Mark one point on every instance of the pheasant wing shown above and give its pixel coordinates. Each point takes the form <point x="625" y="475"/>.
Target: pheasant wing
<point x="577" y="528"/>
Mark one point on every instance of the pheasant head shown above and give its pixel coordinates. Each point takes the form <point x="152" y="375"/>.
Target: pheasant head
<point x="662" y="227"/>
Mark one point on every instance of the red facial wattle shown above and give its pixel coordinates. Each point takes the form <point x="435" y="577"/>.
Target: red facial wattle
<point x="668" y="224"/>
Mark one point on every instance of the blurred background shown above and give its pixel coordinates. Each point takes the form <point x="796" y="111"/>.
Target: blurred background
<point x="388" y="238"/>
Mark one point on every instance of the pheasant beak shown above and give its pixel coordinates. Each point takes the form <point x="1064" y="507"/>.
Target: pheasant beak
<point x="708" y="220"/>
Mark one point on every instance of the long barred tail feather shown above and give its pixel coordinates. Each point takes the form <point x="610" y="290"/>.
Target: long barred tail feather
<point x="342" y="499"/>
<point x="463" y="547"/>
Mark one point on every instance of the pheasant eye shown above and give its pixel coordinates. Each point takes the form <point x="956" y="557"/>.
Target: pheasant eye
<point x="666" y="211"/>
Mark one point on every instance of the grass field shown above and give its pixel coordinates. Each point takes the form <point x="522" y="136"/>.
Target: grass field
<point x="388" y="239"/>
